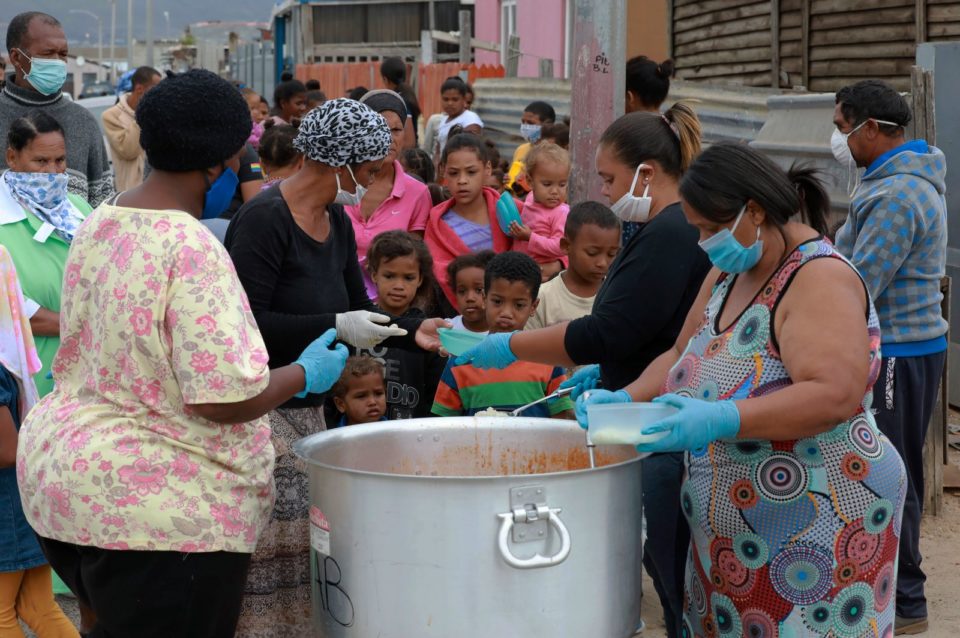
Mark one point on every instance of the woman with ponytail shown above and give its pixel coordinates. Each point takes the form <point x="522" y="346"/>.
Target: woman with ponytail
<point x="647" y="83"/>
<point x="794" y="496"/>
<point x="638" y="311"/>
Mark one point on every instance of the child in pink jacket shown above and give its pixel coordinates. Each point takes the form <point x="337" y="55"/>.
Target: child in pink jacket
<point x="545" y="210"/>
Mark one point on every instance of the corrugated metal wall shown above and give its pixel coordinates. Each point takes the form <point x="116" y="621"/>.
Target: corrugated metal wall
<point x="820" y="45"/>
<point x="723" y="40"/>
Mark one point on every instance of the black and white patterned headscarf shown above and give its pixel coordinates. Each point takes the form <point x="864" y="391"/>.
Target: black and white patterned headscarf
<point x="343" y="132"/>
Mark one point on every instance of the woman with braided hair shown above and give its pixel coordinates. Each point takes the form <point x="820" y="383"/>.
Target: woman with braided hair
<point x="296" y="255"/>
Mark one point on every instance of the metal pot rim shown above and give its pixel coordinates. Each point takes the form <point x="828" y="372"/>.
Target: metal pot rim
<point x="429" y="424"/>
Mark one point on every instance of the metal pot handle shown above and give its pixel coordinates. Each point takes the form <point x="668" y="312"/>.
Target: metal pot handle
<point x="539" y="560"/>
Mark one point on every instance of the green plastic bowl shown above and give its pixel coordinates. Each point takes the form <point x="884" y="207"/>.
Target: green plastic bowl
<point x="456" y="342"/>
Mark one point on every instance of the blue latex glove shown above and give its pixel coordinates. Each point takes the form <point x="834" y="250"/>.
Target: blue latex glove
<point x="492" y="352"/>
<point x="321" y="365"/>
<point x="596" y="397"/>
<point x="586" y="378"/>
<point x="697" y="424"/>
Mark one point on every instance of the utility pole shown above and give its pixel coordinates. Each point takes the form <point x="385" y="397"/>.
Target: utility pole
<point x="130" y="39"/>
<point x="149" y="32"/>
<point x="99" y="39"/>
<point x="599" y="76"/>
<point x="113" y="41"/>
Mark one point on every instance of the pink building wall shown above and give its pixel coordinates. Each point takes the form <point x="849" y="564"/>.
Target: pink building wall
<point x="540" y="25"/>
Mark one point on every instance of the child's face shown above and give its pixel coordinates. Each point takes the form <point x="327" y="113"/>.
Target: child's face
<point x="397" y="281"/>
<point x="549" y="183"/>
<point x="454" y="102"/>
<point x="264" y="110"/>
<point x="530" y="118"/>
<point x="296" y="106"/>
<point x="495" y="181"/>
<point x="253" y="102"/>
<point x="365" y="400"/>
<point x="465" y="176"/>
<point x="510" y="305"/>
<point x="469" y="294"/>
<point x="592" y="251"/>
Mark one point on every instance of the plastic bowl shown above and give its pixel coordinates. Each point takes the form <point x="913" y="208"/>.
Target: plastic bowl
<point x="622" y="423"/>
<point x="456" y="342"/>
<point x="507" y="212"/>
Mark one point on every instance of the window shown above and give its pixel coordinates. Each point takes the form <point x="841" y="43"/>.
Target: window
<point x="508" y="27"/>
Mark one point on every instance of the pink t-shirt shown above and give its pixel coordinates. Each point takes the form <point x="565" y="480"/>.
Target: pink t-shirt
<point x="546" y="224"/>
<point x="406" y="208"/>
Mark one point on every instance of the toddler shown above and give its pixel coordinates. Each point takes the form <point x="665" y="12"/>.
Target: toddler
<point x="467" y="222"/>
<point x="465" y="275"/>
<point x="545" y="209"/>
<point x="360" y="395"/>
<point x="591" y="241"/>
<point x="253" y="103"/>
<point x="512" y="281"/>
<point x="278" y="158"/>
<point x="402" y="272"/>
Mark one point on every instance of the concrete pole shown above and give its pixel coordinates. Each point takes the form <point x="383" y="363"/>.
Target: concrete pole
<point x="599" y="57"/>
<point x="113" y="40"/>
<point x="130" y="39"/>
<point x="149" y="32"/>
<point x="99" y="49"/>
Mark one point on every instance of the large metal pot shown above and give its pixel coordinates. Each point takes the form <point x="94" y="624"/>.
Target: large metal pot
<point x="472" y="527"/>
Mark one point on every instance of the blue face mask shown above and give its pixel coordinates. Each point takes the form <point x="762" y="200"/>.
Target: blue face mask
<point x="219" y="194"/>
<point x="728" y="254"/>
<point x="46" y="76"/>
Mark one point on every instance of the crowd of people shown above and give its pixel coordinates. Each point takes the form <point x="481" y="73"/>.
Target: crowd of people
<point x="247" y="276"/>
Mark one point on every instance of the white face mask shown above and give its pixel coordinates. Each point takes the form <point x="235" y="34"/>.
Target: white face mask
<point x="840" y="145"/>
<point x="349" y="199"/>
<point x="631" y="208"/>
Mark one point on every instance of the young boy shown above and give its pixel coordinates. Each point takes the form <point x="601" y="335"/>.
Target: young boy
<point x="591" y="241"/>
<point x="453" y="95"/>
<point x="512" y="281"/>
<point x="531" y="124"/>
<point x="360" y="394"/>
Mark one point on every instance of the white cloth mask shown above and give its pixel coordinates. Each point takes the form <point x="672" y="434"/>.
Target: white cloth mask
<point x="630" y="207"/>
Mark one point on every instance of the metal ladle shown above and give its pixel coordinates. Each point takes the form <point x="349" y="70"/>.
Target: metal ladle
<point x="562" y="392"/>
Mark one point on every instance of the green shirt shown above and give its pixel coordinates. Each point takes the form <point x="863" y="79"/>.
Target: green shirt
<point x="40" y="267"/>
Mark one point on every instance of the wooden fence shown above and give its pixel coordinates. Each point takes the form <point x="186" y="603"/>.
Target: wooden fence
<point x="820" y="45"/>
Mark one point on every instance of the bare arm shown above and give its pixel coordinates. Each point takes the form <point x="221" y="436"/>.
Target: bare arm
<point x="648" y="385"/>
<point x="45" y="323"/>
<point x="822" y="332"/>
<point x="409" y="137"/>
<point x="249" y="190"/>
<point x="284" y="383"/>
<point x="8" y="438"/>
<point x="476" y="129"/>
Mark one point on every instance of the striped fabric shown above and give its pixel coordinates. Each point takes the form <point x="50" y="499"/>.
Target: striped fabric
<point x="465" y="390"/>
<point x="475" y="236"/>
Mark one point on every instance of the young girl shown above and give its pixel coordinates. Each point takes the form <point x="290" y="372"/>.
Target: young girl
<point x="465" y="275"/>
<point x="545" y="209"/>
<point x="278" y="158"/>
<point x="26" y="589"/>
<point x="253" y="101"/>
<point x="402" y="270"/>
<point x="467" y="222"/>
<point x="453" y="95"/>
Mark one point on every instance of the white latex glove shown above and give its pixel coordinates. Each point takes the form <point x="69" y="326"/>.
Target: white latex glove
<point x="363" y="329"/>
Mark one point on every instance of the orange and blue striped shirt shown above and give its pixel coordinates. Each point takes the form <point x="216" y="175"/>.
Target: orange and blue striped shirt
<point x="465" y="390"/>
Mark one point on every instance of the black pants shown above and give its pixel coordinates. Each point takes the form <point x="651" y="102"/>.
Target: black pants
<point x="144" y="594"/>
<point x="903" y="398"/>
<point x="668" y="535"/>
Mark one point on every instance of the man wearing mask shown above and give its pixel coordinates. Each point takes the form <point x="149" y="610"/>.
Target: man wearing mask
<point x="37" y="47"/>
<point x="122" y="131"/>
<point x="896" y="236"/>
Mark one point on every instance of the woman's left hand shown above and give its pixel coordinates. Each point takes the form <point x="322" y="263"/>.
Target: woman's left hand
<point x="696" y="424"/>
<point x="427" y="336"/>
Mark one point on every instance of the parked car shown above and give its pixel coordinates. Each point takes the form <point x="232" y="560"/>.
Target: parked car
<point x="96" y="89"/>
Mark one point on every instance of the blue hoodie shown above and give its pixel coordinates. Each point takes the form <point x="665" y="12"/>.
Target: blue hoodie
<point x="896" y="236"/>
